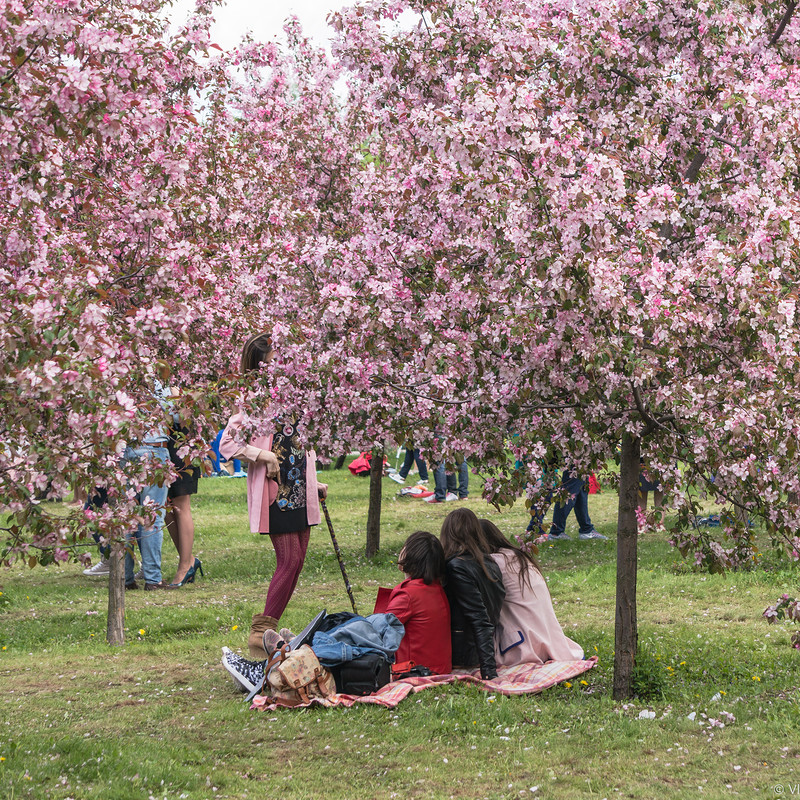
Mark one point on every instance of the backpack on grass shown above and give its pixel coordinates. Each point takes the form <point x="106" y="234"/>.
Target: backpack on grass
<point x="295" y="677"/>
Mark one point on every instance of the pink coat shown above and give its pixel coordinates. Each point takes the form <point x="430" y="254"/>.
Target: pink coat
<point x="528" y="631"/>
<point x="261" y="490"/>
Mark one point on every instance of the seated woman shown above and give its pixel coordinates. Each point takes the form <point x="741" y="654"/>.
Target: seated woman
<point x="528" y="631"/>
<point x="419" y="602"/>
<point x="475" y="590"/>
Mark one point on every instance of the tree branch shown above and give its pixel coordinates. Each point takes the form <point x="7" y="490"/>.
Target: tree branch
<point x="700" y="158"/>
<point x="625" y="76"/>
<point x="784" y="22"/>
<point x="381" y="382"/>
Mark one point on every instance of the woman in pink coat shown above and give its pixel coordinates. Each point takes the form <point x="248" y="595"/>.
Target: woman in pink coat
<point x="282" y="495"/>
<point x="528" y="631"/>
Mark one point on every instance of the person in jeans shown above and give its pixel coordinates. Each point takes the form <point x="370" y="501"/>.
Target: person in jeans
<point x="445" y="486"/>
<point x="152" y="498"/>
<point x="577" y="491"/>
<point x="412" y="455"/>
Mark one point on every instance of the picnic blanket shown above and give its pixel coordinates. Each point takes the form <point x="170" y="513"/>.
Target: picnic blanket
<point x="521" y="679"/>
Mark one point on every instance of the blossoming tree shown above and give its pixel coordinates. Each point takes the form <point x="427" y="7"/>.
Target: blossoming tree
<point x="573" y="235"/>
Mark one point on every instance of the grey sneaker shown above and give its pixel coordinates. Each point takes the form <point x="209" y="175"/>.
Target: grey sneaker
<point x="100" y="569"/>
<point x="247" y="675"/>
<point x="593" y="534"/>
<point x="559" y="537"/>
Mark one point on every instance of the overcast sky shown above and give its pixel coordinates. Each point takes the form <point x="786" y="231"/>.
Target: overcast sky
<point x="265" y="18"/>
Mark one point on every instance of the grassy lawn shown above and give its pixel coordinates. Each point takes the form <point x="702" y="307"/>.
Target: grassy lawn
<point x="160" y="718"/>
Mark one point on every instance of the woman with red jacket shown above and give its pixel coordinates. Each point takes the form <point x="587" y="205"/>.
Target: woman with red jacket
<point x="420" y="603"/>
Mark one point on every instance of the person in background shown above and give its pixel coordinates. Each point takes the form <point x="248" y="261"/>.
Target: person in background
<point x="412" y="456"/>
<point x="577" y="491"/>
<point x="282" y="493"/>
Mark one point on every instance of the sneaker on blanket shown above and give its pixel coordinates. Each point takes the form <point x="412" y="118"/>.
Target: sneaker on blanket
<point x="247" y="675"/>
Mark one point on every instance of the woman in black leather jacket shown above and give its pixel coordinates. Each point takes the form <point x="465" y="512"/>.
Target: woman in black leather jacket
<point x="475" y="590"/>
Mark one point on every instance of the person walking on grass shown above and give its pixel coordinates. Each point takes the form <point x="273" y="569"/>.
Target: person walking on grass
<point x="282" y="493"/>
<point x="577" y="497"/>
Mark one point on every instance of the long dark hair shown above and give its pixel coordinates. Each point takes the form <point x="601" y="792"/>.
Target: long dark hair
<point x="255" y="351"/>
<point x="462" y="535"/>
<point x="422" y="557"/>
<point x="497" y="542"/>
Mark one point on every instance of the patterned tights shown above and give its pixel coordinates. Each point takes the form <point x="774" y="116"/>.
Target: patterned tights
<point x="290" y="552"/>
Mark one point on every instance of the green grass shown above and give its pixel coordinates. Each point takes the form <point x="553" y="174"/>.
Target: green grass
<point x="159" y="718"/>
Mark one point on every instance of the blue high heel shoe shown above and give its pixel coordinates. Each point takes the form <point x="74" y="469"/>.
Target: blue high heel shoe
<point x="190" y="573"/>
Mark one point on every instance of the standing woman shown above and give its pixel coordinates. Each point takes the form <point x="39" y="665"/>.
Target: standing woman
<point x="282" y="494"/>
<point x="179" y="520"/>
<point x="475" y="590"/>
<point x="528" y="631"/>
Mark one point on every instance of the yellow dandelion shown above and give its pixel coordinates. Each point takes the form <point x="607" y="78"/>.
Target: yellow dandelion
<point x="235" y="628"/>
<point x="670" y="669"/>
<point x="141" y="631"/>
<point x="584" y="683"/>
<point x="568" y="684"/>
<point x="756" y="678"/>
<point x="682" y="664"/>
<point x="4" y="647"/>
<point x="2" y="758"/>
<point x="721" y="692"/>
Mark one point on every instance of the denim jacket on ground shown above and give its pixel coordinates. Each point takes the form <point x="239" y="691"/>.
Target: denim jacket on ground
<point x="378" y="633"/>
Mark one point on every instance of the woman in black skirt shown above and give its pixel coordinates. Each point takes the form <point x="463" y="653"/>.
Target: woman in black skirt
<point x="179" y="512"/>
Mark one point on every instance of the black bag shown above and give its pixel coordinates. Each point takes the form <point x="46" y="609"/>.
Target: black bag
<point x="363" y="675"/>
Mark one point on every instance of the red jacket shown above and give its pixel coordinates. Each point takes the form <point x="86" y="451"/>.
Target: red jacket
<point x="424" y="611"/>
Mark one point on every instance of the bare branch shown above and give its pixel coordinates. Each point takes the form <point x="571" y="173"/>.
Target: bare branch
<point x="784" y="22"/>
<point x="625" y="76"/>
<point x="405" y="390"/>
<point x="700" y="158"/>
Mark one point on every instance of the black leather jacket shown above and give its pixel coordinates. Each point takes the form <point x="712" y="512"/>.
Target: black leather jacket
<point x="475" y="603"/>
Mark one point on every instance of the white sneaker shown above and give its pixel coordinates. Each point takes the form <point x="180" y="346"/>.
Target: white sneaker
<point x="246" y="674"/>
<point x="422" y="483"/>
<point x="451" y="496"/>
<point x="99" y="570"/>
<point x="395" y="476"/>
<point x="593" y="534"/>
<point x="139" y="576"/>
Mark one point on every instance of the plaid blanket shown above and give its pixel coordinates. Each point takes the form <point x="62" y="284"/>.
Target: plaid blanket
<point x="522" y="679"/>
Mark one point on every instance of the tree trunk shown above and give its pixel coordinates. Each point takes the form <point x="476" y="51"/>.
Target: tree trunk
<point x="115" y="628"/>
<point x="374" y="513"/>
<point x="340" y="461"/>
<point x="625" y="632"/>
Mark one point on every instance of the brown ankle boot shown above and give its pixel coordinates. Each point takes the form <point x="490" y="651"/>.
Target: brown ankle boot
<point x="261" y="623"/>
